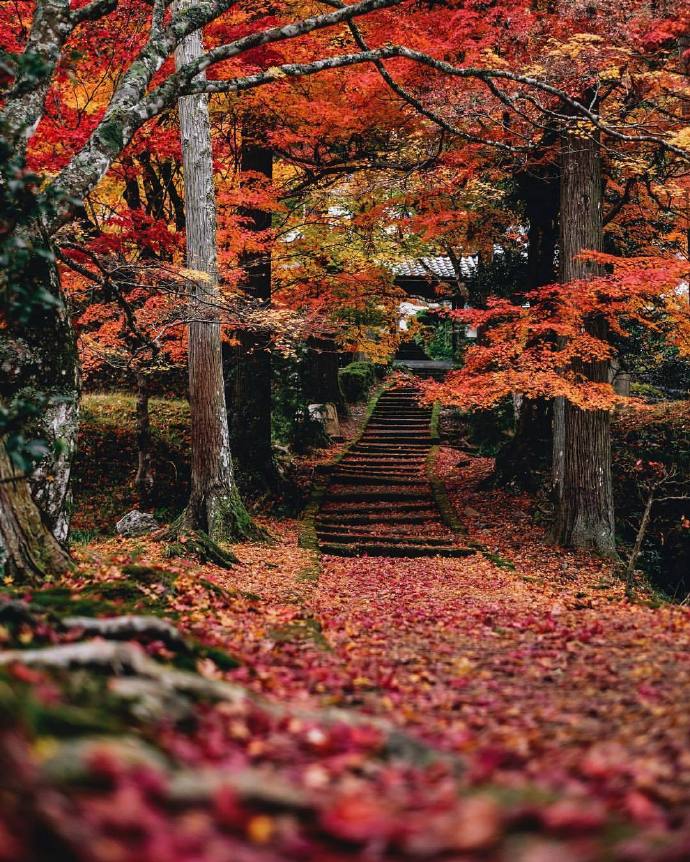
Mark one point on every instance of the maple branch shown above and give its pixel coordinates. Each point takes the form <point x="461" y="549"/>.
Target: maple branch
<point x="130" y="107"/>
<point x="181" y="79"/>
<point x="412" y="100"/>
<point x="92" y="11"/>
<point x="51" y="26"/>
<point x="298" y="70"/>
<point x="630" y="184"/>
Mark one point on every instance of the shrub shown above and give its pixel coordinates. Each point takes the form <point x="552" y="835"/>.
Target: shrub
<point x="356" y="379"/>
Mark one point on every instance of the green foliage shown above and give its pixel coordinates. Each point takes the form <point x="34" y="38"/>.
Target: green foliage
<point x="107" y="447"/>
<point x="647" y="445"/>
<point x="504" y="275"/>
<point x="437" y="335"/>
<point x="292" y="424"/>
<point x="653" y="361"/>
<point x="356" y="379"/>
<point x="646" y="391"/>
<point x="489" y="429"/>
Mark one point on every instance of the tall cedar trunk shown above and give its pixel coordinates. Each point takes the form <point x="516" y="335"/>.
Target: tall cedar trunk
<point x="320" y="373"/>
<point x="585" y="507"/>
<point x="248" y="375"/>
<point x="214" y="504"/>
<point x="145" y="479"/>
<point x="523" y="460"/>
<point x="40" y="358"/>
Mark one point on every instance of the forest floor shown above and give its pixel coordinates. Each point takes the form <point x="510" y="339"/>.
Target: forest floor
<point x="513" y="705"/>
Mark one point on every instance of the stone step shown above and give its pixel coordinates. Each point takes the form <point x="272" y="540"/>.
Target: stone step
<point x="385" y="460"/>
<point x="414" y="474"/>
<point x="398" y="438"/>
<point x="392" y="448"/>
<point x="398" y="423"/>
<point x="397" y="410"/>
<point x="392" y="550"/>
<point x="366" y="496"/>
<point x="391" y="435"/>
<point x="393" y="459"/>
<point x="403" y="506"/>
<point x="373" y="479"/>
<point x="374" y="470"/>
<point x="426" y="516"/>
<point x="343" y="537"/>
<point x="400" y="414"/>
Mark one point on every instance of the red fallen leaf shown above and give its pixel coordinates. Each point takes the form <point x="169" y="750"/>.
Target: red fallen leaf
<point x="573" y="816"/>
<point x="642" y="809"/>
<point x="477" y="824"/>
<point x="26" y="674"/>
<point x="10" y="849"/>
<point x="603" y="761"/>
<point x="228" y="809"/>
<point x="358" y="818"/>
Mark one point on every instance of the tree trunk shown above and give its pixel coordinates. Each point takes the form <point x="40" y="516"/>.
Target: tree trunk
<point x="527" y="456"/>
<point x="38" y="359"/>
<point x="523" y="460"/>
<point x="214" y="504"/>
<point x="249" y="369"/>
<point x="585" y="507"/>
<point x="29" y="552"/>
<point x="320" y="374"/>
<point x="144" y="480"/>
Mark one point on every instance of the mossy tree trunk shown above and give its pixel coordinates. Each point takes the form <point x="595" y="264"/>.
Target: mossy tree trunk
<point x="29" y="552"/>
<point x="585" y="505"/>
<point x="214" y="505"/>
<point x="38" y="358"/>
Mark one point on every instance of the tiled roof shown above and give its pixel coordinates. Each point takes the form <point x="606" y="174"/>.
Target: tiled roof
<point x="438" y="267"/>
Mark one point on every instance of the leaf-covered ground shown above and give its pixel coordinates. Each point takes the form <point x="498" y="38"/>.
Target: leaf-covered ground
<point x="509" y="706"/>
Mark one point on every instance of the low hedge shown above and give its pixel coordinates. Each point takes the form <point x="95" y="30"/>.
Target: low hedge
<point x="356" y="379"/>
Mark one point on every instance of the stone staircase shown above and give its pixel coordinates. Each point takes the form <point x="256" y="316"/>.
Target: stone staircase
<point x="379" y="501"/>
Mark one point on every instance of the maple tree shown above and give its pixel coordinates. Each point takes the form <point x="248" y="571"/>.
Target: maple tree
<point x="185" y="183"/>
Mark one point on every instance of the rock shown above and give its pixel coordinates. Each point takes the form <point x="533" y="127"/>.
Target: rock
<point x="327" y="415"/>
<point x="136" y="523"/>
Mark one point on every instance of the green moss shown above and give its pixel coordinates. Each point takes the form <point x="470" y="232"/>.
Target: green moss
<point x="200" y="545"/>
<point x="95" y="599"/>
<point x="496" y="559"/>
<point x="219" y="657"/>
<point x="301" y="630"/>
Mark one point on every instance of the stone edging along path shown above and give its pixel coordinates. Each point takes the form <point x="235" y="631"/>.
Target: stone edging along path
<point x="379" y="500"/>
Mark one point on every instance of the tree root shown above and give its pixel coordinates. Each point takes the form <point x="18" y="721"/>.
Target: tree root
<point x="198" y="544"/>
<point x="129" y="627"/>
<point x="156" y="690"/>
